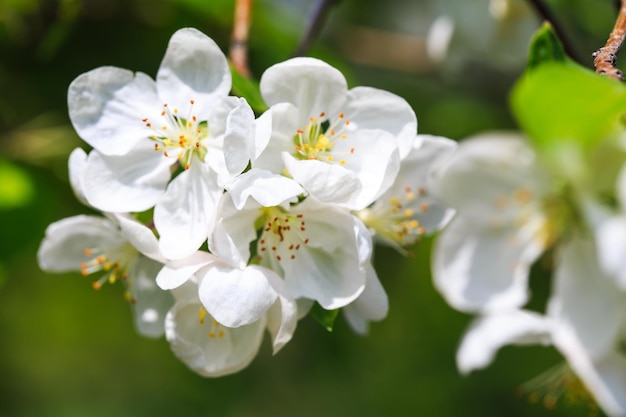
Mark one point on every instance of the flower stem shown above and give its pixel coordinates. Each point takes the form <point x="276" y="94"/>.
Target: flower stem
<point x="604" y="58"/>
<point x="320" y="14"/>
<point x="546" y="14"/>
<point x="239" y="42"/>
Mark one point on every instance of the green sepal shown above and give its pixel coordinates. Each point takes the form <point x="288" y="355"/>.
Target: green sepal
<point x="562" y="101"/>
<point x="324" y="317"/>
<point x="545" y="46"/>
<point x="249" y="89"/>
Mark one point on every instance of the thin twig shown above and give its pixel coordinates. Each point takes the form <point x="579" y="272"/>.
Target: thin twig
<point x="318" y="18"/>
<point x="239" y="42"/>
<point x="604" y="58"/>
<point x="546" y="14"/>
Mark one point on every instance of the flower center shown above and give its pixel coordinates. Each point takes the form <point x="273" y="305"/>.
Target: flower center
<point x="557" y="383"/>
<point x="545" y="217"/>
<point x="177" y="136"/>
<point x="395" y="220"/>
<point x="215" y="329"/>
<point x="318" y="138"/>
<point x="283" y="234"/>
<point x="113" y="262"/>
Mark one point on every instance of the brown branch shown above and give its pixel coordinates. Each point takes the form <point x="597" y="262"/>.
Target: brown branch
<point x="544" y="12"/>
<point x="604" y="58"/>
<point x="315" y="25"/>
<point x="239" y="42"/>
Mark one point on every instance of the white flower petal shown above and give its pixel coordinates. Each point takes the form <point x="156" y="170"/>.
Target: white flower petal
<point x="195" y="68"/>
<point x="489" y="333"/>
<point x="63" y="248"/>
<point x="604" y="377"/>
<point x="262" y="133"/>
<point x="187" y="210"/>
<point x="282" y="317"/>
<point x="210" y="349"/>
<point x="76" y="164"/>
<point x="233" y="233"/>
<point x="238" y="138"/>
<point x="150" y="303"/>
<point x="328" y="183"/>
<point x="585" y="303"/>
<point x="177" y="272"/>
<point x="372" y="304"/>
<point x="236" y="297"/>
<point x="611" y="245"/>
<point x="371" y="108"/>
<point x="483" y="269"/>
<point x="311" y="85"/>
<point x="107" y="105"/>
<point x="129" y="183"/>
<point x="415" y="172"/>
<point x="264" y="187"/>
<point x="284" y="124"/>
<point x="373" y="156"/>
<point x="141" y="237"/>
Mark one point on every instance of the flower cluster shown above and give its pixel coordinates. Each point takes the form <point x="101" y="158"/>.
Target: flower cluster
<point x="223" y="225"/>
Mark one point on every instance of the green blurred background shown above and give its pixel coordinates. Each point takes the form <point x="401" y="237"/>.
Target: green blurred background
<point x="67" y="350"/>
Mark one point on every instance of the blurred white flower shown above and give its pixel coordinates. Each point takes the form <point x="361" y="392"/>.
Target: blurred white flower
<point x="494" y="31"/>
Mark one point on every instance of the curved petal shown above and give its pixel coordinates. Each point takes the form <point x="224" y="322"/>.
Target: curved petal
<point x="311" y="85"/>
<point x="76" y="165"/>
<point x="265" y="188"/>
<point x="207" y="347"/>
<point x="238" y="138"/>
<point x="585" y="305"/>
<point x="372" y="304"/>
<point x="63" y="247"/>
<point x="186" y="212"/>
<point x="233" y="233"/>
<point x="328" y="183"/>
<point x="282" y="317"/>
<point x="129" y="183"/>
<point x="141" y="237"/>
<point x="107" y="105"/>
<point x="483" y="269"/>
<point x="177" y="272"/>
<point x="414" y="174"/>
<point x="372" y="108"/>
<point x="611" y="244"/>
<point x="236" y="297"/>
<point x="193" y="68"/>
<point x="283" y="123"/>
<point x="489" y="333"/>
<point x="150" y="303"/>
<point x="373" y="156"/>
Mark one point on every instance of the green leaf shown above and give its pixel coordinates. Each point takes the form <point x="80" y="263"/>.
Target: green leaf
<point x="562" y="101"/>
<point x="324" y="317"/>
<point x="249" y="89"/>
<point x="545" y="46"/>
